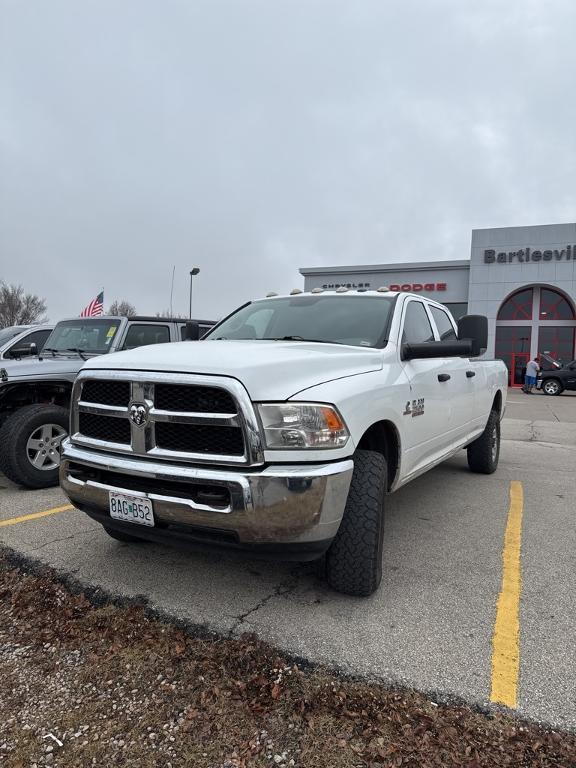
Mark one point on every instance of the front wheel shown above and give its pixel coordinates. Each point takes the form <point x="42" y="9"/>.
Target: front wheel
<point x="552" y="387"/>
<point x="484" y="452"/>
<point x="354" y="559"/>
<point x="30" y="443"/>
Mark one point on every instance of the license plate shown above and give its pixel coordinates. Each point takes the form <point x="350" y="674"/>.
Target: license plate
<point x="131" y="509"/>
<point x="539" y="384"/>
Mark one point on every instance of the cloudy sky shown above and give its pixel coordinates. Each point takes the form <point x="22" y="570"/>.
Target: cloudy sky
<point x="253" y="137"/>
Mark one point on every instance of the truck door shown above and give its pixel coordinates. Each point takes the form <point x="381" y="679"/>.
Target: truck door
<point x="427" y="413"/>
<point x="464" y="380"/>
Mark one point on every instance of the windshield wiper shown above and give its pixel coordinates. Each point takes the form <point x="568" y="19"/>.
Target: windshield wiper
<point x="78" y="351"/>
<point x="301" y="338"/>
<point x="49" y="349"/>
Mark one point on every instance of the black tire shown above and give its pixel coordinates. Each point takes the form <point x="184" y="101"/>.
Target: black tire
<point x="552" y="387"/>
<point x="15" y="433"/>
<point x="124" y="537"/>
<point x="484" y="452"/>
<point x="354" y="559"/>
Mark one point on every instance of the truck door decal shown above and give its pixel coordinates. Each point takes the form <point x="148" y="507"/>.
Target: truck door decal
<point x="414" y="408"/>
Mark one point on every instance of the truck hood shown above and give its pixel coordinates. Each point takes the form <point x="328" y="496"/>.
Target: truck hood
<point x="270" y="370"/>
<point x="40" y="367"/>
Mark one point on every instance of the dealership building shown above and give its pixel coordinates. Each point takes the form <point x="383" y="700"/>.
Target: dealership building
<point x="522" y="278"/>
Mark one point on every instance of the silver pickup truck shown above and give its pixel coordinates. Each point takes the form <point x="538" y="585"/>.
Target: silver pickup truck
<point x="35" y="392"/>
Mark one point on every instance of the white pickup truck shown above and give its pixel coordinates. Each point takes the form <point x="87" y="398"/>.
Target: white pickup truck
<point x="283" y="430"/>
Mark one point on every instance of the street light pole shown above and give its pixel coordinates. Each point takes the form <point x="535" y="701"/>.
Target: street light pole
<point x="193" y="271"/>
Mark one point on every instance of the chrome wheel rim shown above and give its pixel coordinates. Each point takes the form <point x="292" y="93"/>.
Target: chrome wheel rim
<point x="43" y="446"/>
<point x="494" y="443"/>
<point x="551" y="388"/>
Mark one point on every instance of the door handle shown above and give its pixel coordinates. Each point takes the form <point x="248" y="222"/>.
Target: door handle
<point x="470" y="374"/>
<point x="444" y="377"/>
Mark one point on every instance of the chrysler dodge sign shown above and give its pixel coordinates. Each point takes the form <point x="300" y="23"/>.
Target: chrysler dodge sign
<point x="568" y="253"/>
<point x="397" y="287"/>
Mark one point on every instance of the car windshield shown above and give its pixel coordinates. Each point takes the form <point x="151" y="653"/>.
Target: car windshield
<point x="8" y="333"/>
<point x="93" y="337"/>
<point x="356" y="320"/>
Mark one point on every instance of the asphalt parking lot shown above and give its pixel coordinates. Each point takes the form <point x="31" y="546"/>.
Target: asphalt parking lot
<point x="444" y="620"/>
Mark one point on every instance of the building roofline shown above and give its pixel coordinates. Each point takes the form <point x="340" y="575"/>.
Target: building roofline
<point x="526" y="226"/>
<point x="366" y="268"/>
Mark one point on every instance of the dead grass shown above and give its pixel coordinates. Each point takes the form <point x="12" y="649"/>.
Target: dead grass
<point x="118" y="688"/>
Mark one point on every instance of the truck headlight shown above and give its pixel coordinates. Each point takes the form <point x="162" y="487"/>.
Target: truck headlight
<point x="302" y="425"/>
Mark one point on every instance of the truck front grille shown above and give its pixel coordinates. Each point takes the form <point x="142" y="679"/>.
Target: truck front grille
<point x="221" y="441"/>
<point x="106" y="392"/>
<point x="172" y="416"/>
<point x="105" y="428"/>
<point x="179" y="397"/>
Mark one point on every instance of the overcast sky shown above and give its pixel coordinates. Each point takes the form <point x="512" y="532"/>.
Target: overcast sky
<point x="251" y="138"/>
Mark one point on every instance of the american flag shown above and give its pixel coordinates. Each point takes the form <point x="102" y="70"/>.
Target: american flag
<point x="95" y="308"/>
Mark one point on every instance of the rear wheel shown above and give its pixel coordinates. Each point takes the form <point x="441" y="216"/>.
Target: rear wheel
<point x="552" y="387"/>
<point x="121" y="536"/>
<point x="484" y="452"/>
<point x="30" y="443"/>
<point x="354" y="559"/>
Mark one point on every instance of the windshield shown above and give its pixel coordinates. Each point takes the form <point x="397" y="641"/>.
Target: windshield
<point x="8" y="333"/>
<point x="360" y="321"/>
<point x="91" y="336"/>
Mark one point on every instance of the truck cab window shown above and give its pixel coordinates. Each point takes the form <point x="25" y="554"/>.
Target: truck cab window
<point x="443" y="324"/>
<point x="141" y="335"/>
<point x="417" y="326"/>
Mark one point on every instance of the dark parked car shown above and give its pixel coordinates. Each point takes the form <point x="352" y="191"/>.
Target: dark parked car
<point x="555" y="377"/>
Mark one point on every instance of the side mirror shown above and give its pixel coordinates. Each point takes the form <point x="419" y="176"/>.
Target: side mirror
<point x="17" y="352"/>
<point x="429" y="349"/>
<point x="474" y="328"/>
<point x="191" y="331"/>
<point x="33" y="349"/>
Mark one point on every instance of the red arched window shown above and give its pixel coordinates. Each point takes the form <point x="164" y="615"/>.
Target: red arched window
<point x="518" y="306"/>
<point x="553" y="306"/>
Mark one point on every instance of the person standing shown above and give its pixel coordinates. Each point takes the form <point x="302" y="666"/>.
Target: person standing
<point x="532" y="369"/>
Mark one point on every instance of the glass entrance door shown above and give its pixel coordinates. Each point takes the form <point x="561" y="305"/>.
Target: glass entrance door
<point x="518" y="369"/>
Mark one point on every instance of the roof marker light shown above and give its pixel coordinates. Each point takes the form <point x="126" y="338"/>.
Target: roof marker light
<point x="383" y="289"/>
<point x="341" y="289"/>
<point x="295" y="291"/>
<point x="317" y="290"/>
<point x="269" y="295"/>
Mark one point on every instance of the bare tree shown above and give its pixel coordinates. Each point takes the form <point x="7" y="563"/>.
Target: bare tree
<point x="19" y="308"/>
<point x="122" y="308"/>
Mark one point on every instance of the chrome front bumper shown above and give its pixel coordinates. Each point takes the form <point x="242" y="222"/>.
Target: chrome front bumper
<point x="279" y="505"/>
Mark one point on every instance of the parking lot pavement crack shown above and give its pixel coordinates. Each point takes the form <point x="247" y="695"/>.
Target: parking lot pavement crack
<point x="55" y="541"/>
<point x="286" y="587"/>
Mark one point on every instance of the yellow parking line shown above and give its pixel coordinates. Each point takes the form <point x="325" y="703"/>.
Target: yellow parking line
<point x="506" y="638"/>
<point x="35" y="515"/>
